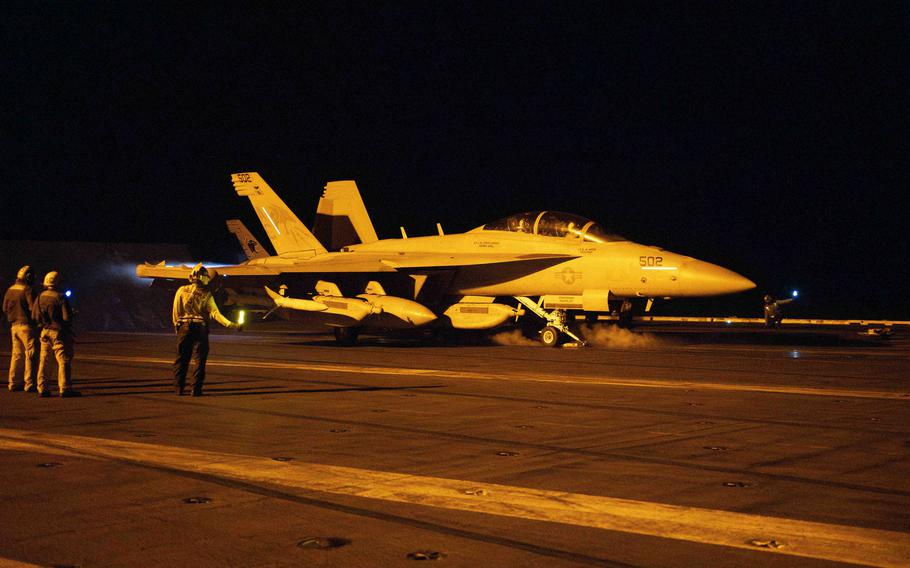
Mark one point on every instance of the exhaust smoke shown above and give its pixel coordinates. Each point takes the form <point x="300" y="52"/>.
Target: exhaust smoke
<point x="514" y="337"/>
<point x="614" y="337"/>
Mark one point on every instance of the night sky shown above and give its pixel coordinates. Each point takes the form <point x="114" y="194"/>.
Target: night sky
<point x="769" y="138"/>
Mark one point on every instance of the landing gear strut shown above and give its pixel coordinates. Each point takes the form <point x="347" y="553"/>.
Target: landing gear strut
<point x="556" y="322"/>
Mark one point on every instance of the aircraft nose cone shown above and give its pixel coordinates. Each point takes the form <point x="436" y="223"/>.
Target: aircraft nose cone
<point x="706" y="279"/>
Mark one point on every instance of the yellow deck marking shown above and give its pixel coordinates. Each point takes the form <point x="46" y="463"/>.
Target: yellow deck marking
<point x="527" y="377"/>
<point x="722" y="528"/>
<point x="9" y="563"/>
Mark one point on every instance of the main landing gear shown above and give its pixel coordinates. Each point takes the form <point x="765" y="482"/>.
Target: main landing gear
<point x="346" y="335"/>
<point x="552" y="334"/>
<point x="625" y="313"/>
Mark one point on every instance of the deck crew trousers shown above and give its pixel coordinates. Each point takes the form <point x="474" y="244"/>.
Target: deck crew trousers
<point x="62" y="345"/>
<point x="192" y="338"/>
<point x="23" y="355"/>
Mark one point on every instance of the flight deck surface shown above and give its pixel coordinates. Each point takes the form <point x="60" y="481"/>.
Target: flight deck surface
<point x="657" y="448"/>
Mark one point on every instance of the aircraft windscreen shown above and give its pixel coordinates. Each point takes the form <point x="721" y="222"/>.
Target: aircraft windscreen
<point x="553" y="224"/>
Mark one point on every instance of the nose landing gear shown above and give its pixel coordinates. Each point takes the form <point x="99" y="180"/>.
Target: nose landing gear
<point x="556" y="327"/>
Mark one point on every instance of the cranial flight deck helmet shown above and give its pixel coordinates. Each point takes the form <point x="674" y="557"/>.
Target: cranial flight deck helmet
<point x="26" y="275"/>
<point x="768" y="298"/>
<point x="200" y="275"/>
<point x="51" y="279"/>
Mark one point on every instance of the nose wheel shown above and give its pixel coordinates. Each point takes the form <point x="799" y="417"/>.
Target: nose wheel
<point x="549" y="336"/>
<point x="556" y="327"/>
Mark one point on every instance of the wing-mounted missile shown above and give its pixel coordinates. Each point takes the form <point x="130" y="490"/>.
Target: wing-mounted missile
<point x="376" y="310"/>
<point x="301" y="304"/>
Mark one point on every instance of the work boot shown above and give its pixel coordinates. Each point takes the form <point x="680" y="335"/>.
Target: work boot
<point x="16" y="388"/>
<point x="178" y="391"/>
<point x="44" y="394"/>
<point x="70" y="394"/>
<point x="197" y="392"/>
<point x="31" y="388"/>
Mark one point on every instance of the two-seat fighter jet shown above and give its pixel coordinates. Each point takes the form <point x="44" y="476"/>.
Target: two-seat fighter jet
<point x="545" y="262"/>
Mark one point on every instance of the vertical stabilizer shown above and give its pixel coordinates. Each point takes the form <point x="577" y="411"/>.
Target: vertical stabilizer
<point x="248" y="242"/>
<point x="341" y="217"/>
<point x="284" y="229"/>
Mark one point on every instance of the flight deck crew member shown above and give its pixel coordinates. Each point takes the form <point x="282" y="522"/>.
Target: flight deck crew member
<point x="773" y="313"/>
<point x="194" y="307"/>
<point x="53" y="313"/>
<point x="17" y="305"/>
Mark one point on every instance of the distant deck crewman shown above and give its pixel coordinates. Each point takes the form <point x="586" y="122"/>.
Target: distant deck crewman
<point x="194" y="307"/>
<point x="53" y="313"/>
<point x="773" y="313"/>
<point x="17" y="306"/>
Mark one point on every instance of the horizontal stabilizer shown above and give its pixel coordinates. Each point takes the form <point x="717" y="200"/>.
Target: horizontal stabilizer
<point x="182" y="272"/>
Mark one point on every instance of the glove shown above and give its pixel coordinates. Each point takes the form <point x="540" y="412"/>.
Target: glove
<point x="237" y="326"/>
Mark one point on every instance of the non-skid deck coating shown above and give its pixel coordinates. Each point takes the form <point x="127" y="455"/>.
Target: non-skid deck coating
<point x="672" y="453"/>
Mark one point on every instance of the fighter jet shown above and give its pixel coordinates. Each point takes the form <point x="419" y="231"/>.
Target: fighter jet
<point x="544" y="262"/>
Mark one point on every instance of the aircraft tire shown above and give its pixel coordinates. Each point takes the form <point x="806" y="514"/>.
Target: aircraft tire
<point x="550" y="336"/>
<point x="346" y="335"/>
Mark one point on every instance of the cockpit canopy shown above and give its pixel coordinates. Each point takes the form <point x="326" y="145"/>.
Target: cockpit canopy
<point x="553" y="224"/>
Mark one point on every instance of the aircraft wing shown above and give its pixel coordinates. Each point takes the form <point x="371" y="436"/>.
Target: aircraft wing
<point x="437" y="260"/>
<point x="366" y="262"/>
<point x="355" y="263"/>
